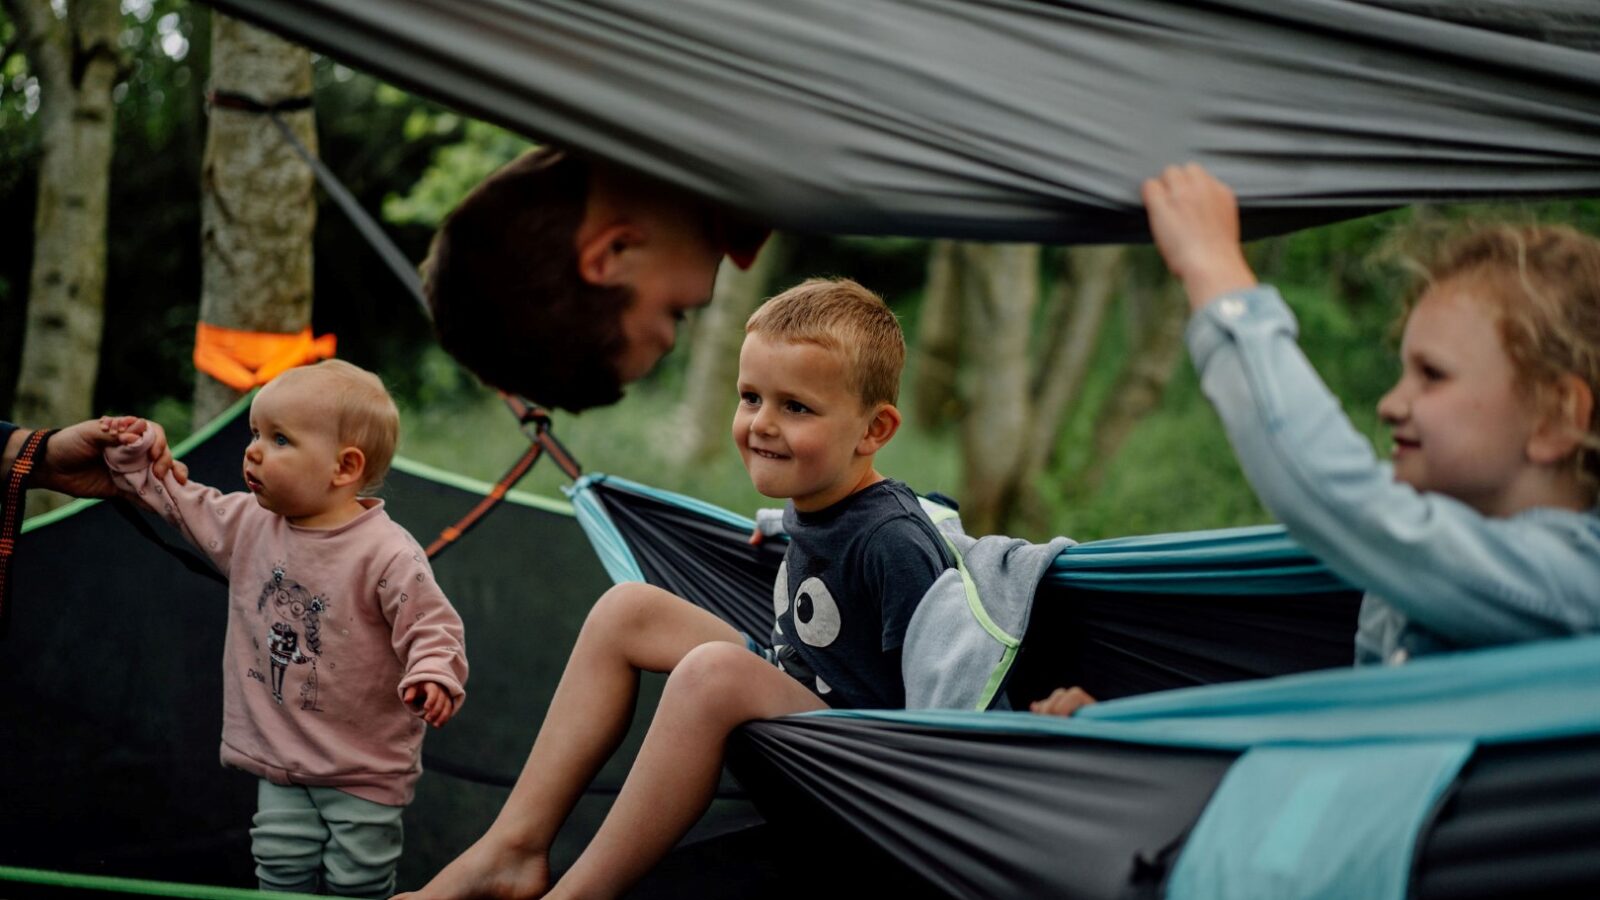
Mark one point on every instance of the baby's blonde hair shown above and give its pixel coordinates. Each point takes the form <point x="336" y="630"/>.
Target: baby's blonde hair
<point x="366" y="417"/>
<point x="1542" y="283"/>
<point x="840" y="315"/>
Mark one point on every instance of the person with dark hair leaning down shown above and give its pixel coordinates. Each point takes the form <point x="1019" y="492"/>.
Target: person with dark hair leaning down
<point x="562" y="279"/>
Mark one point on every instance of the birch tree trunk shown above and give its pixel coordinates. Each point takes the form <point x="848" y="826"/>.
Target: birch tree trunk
<point x="1158" y="317"/>
<point x="709" y="394"/>
<point x="1084" y="296"/>
<point x="258" y="209"/>
<point x="77" y="63"/>
<point x="935" y="400"/>
<point x="1003" y="290"/>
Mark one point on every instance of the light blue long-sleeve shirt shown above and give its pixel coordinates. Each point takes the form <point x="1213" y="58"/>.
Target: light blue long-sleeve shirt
<point x="1438" y="574"/>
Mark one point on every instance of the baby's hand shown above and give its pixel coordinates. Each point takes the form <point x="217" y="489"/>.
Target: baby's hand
<point x="432" y="702"/>
<point x="1062" y="702"/>
<point x="126" y="430"/>
<point x="1195" y="222"/>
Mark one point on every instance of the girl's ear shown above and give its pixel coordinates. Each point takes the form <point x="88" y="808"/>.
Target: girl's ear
<point x="1568" y="415"/>
<point x="883" y="425"/>
<point x="352" y="467"/>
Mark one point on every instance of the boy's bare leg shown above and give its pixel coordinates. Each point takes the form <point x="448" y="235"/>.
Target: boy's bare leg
<point x="633" y="627"/>
<point x="713" y="690"/>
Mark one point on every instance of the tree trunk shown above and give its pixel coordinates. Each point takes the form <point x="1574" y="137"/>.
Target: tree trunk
<point x="1158" y="320"/>
<point x="1095" y="274"/>
<point x="714" y="353"/>
<point x="258" y="209"/>
<point x="1003" y="282"/>
<point x="935" y="401"/>
<point x="77" y="64"/>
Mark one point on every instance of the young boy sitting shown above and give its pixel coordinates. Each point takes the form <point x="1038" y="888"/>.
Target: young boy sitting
<point x="818" y="377"/>
<point x="340" y="644"/>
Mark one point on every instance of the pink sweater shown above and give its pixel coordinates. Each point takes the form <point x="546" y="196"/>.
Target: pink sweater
<point x="326" y="629"/>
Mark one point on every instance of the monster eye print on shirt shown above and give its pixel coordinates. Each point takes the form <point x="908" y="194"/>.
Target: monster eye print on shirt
<point x="780" y="591"/>
<point x="816" y="614"/>
<point x="782" y="654"/>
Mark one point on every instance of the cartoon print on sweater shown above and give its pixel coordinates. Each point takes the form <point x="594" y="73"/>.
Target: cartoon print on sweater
<point x="816" y="619"/>
<point x="292" y="605"/>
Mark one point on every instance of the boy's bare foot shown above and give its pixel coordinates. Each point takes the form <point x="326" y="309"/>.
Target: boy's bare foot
<point x="490" y="872"/>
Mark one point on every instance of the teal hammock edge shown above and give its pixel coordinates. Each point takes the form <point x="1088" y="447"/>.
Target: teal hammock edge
<point x="1251" y="560"/>
<point x="114" y="884"/>
<point x="1540" y="690"/>
<point x="683" y="501"/>
<point x="596" y="523"/>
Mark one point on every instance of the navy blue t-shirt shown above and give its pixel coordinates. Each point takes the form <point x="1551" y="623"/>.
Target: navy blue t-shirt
<point x="853" y="575"/>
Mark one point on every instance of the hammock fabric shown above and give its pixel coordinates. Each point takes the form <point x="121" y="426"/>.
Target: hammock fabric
<point x="1460" y="776"/>
<point x="1118" y="617"/>
<point x="113" y="685"/>
<point x="1011" y="119"/>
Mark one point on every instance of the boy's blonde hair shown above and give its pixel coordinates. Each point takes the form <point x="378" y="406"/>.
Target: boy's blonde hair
<point x="1543" y="285"/>
<point x="841" y="315"/>
<point x="366" y="417"/>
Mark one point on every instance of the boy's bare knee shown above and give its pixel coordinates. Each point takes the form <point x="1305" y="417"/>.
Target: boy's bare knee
<point x="714" y="668"/>
<point x="622" y="610"/>
<point x="723" y="684"/>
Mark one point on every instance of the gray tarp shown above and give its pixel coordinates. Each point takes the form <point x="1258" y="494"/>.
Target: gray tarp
<point x="1009" y="119"/>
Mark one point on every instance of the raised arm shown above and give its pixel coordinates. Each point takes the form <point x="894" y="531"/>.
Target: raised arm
<point x="1470" y="578"/>
<point x="208" y="518"/>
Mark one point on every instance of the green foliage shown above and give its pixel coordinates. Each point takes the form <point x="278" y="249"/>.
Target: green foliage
<point x="456" y="168"/>
<point x="1176" y="472"/>
<point x="414" y="160"/>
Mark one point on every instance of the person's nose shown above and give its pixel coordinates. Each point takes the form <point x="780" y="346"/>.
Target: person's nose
<point x="765" y="422"/>
<point x="252" y="451"/>
<point x="1394" y="406"/>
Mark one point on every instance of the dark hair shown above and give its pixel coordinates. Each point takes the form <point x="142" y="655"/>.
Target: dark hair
<point x="508" y="301"/>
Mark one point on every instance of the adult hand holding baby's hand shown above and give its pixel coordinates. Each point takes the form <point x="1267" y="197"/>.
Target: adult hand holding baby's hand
<point x="127" y="430"/>
<point x="1194" y="219"/>
<point x="431" y="701"/>
<point x="73" y="461"/>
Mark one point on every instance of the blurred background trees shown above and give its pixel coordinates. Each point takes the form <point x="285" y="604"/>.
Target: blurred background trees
<point x="1046" y="388"/>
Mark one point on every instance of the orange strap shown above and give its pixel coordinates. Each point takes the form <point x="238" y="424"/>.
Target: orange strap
<point x="11" y="514"/>
<point x="246" y="359"/>
<point x="454" y="532"/>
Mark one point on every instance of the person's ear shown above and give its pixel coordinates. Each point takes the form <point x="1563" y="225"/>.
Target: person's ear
<point x="603" y="257"/>
<point x="881" y="427"/>
<point x="1568" y="415"/>
<point x="352" y="467"/>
